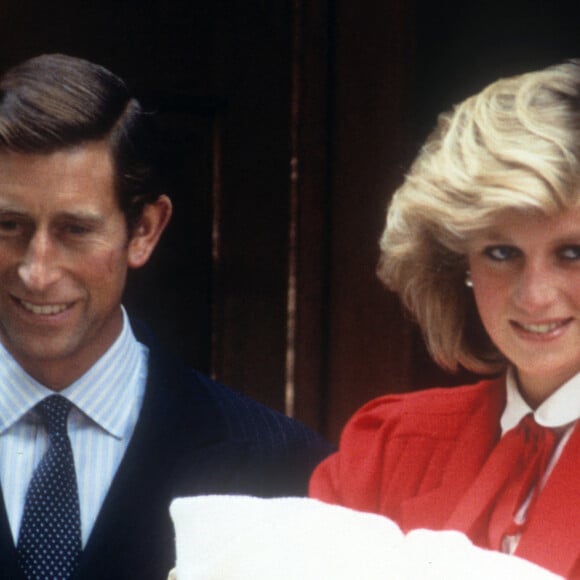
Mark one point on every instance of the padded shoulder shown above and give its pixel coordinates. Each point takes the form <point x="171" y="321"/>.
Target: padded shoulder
<point x="435" y="412"/>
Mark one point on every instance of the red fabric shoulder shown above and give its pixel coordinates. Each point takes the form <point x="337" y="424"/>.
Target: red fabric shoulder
<point x="437" y="411"/>
<point x="396" y="446"/>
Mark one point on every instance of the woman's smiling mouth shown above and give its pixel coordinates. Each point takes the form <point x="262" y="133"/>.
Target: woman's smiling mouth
<point x="541" y="328"/>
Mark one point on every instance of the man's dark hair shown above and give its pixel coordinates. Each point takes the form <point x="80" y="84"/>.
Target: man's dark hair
<point x="53" y="102"/>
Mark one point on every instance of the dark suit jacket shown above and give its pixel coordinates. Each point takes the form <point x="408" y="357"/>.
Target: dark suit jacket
<point x="194" y="436"/>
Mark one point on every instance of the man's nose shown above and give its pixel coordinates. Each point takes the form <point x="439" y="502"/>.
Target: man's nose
<point x="39" y="268"/>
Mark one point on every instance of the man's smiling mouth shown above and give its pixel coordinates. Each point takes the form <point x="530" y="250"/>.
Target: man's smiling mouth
<point x="45" y="309"/>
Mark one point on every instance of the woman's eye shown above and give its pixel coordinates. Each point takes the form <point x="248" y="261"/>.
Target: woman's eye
<point x="570" y="253"/>
<point x="501" y="253"/>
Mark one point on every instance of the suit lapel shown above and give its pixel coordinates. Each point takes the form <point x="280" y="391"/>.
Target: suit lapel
<point x="178" y="435"/>
<point x="9" y="567"/>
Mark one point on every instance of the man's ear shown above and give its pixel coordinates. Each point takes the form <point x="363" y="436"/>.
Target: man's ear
<point x="148" y="230"/>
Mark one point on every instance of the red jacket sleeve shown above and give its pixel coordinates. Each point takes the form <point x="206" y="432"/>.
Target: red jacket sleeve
<point x="398" y="447"/>
<point x="372" y="455"/>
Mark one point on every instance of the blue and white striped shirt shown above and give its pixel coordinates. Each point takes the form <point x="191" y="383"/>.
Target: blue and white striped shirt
<point x="107" y="400"/>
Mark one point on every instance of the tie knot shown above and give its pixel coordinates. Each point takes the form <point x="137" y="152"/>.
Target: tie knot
<point x="533" y="430"/>
<point x="54" y="411"/>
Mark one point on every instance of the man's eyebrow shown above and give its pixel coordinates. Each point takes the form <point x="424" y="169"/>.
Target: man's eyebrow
<point x="84" y="216"/>
<point x="12" y="211"/>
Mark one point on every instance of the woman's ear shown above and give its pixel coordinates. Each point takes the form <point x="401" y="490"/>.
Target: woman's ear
<point x="146" y="234"/>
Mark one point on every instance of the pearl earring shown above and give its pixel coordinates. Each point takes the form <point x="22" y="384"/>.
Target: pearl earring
<point x="468" y="280"/>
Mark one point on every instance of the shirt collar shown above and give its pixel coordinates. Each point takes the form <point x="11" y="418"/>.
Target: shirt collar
<point x="104" y="393"/>
<point x="560" y="409"/>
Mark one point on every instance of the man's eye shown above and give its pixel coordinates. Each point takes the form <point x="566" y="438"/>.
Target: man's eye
<point x="8" y="226"/>
<point x="76" y="230"/>
<point x="501" y="253"/>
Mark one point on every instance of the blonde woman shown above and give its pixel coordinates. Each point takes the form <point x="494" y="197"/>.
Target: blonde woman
<point x="482" y="243"/>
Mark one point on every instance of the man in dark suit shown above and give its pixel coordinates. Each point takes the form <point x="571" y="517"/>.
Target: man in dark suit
<point x="81" y="203"/>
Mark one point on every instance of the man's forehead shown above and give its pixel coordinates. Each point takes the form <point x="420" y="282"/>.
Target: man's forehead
<point x="84" y="164"/>
<point x="88" y="161"/>
<point x="77" y="179"/>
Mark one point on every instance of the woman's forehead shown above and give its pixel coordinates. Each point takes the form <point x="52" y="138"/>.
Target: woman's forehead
<point x="517" y="224"/>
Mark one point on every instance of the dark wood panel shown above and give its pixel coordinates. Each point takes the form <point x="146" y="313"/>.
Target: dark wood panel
<point x="369" y="338"/>
<point x="314" y="200"/>
<point x="254" y="210"/>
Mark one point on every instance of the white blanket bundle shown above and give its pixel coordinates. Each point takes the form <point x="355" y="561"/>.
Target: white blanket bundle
<point x="246" y="538"/>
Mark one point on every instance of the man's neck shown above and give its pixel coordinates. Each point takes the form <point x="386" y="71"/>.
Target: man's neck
<point x="59" y="373"/>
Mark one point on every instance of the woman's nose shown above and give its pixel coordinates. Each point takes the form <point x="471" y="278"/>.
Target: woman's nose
<point x="536" y="286"/>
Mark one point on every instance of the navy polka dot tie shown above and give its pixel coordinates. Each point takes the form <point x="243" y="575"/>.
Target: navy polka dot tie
<point x="49" y="543"/>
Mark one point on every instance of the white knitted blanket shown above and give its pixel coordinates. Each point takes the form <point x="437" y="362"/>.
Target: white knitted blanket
<point x="246" y="538"/>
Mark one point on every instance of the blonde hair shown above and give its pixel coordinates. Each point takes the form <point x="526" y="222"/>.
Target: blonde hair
<point x="513" y="146"/>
